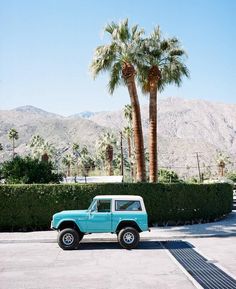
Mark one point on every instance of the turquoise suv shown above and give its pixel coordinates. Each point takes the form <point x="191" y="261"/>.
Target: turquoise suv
<point x="124" y="215"/>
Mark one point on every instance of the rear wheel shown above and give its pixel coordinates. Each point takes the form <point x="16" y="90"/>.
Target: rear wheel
<point x="128" y="238"/>
<point x="68" y="239"/>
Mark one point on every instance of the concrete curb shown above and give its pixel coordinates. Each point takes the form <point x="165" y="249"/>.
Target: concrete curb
<point x="114" y="239"/>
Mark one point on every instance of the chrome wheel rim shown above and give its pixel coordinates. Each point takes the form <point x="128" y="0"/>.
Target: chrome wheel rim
<point x="68" y="239"/>
<point x="128" y="238"/>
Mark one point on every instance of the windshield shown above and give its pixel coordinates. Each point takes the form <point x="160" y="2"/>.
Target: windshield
<point x="92" y="205"/>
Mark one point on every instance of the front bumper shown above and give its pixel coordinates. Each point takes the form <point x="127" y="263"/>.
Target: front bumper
<point x="51" y="226"/>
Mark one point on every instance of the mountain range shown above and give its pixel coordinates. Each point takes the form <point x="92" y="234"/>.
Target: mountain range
<point x="185" y="127"/>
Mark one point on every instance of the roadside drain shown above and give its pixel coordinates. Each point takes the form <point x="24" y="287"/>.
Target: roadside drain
<point x="202" y="270"/>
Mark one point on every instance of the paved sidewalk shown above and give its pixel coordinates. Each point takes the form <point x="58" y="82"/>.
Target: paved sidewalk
<point x="223" y="228"/>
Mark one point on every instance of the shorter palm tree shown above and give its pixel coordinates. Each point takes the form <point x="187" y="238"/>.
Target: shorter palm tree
<point x="41" y="149"/>
<point x="76" y="153"/>
<point x="106" y="144"/>
<point x="222" y="160"/>
<point x="13" y="135"/>
<point x="75" y="148"/>
<point x="68" y="160"/>
<point x="87" y="163"/>
<point x="128" y="114"/>
<point x="163" y="64"/>
<point x="128" y="133"/>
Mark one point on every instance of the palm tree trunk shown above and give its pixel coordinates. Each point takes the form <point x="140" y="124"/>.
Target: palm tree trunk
<point x="109" y="159"/>
<point x="128" y="74"/>
<point x="129" y="147"/>
<point x="154" y="76"/>
<point x="130" y="155"/>
<point x="68" y="171"/>
<point x="153" y="135"/>
<point x="110" y="170"/>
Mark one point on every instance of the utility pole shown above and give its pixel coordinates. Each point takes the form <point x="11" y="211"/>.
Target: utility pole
<point x="198" y="166"/>
<point x="121" y="152"/>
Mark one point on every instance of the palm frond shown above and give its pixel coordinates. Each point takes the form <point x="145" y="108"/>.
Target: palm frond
<point x="125" y="47"/>
<point x="115" y="77"/>
<point x="177" y="52"/>
<point x="109" y="28"/>
<point x="103" y="59"/>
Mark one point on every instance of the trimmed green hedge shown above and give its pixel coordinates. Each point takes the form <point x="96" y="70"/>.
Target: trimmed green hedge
<point x="30" y="207"/>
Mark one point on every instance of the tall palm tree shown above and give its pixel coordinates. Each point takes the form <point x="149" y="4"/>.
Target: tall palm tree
<point x="120" y="58"/>
<point x="163" y="64"/>
<point x="13" y="135"/>
<point x="105" y="145"/>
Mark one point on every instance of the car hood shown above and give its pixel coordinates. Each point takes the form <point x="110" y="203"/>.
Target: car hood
<point x="70" y="214"/>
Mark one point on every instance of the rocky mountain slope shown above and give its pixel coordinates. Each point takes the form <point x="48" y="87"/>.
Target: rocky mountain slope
<point x="184" y="128"/>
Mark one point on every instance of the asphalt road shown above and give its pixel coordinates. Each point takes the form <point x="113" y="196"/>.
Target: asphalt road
<point x="104" y="265"/>
<point x="93" y="266"/>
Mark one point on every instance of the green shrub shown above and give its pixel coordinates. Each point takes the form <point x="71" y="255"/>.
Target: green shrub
<point x="231" y="176"/>
<point x="30" y="207"/>
<point x="167" y="176"/>
<point x="27" y="170"/>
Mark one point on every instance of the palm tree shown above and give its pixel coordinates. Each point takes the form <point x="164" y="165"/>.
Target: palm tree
<point x="76" y="153"/>
<point x="48" y="151"/>
<point x="105" y="145"/>
<point x="128" y="133"/>
<point x="87" y="163"/>
<point x="68" y="161"/>
<point x="128" y="114"/>
<point x="75" y="148"/>
<point x="222" y="160"/>
<point x="35" y="144"/>
<point x="41" y="149"/>
<point x="1" y="147"/>
<point x="119" y="58"/>
<point x="163" y="64"/>
<point x="13" y="136"/>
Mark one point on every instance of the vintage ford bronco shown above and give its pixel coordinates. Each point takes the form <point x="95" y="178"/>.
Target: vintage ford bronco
<point x="124" y="215"/>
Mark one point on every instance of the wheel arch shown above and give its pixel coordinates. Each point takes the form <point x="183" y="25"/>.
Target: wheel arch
<point x="69" y="223"/>
<point x="128" y="223"/>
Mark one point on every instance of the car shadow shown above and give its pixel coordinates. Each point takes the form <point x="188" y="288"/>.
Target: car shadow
<point x="143" y="245"/>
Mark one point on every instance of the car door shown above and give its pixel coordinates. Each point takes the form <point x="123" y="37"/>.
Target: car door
<point x="99" y="219"/>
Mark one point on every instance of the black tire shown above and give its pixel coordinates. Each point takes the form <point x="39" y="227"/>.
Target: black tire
<point x="68" y="239"/>
<point x="128" y="238"/>
<point x="81" y="235"/>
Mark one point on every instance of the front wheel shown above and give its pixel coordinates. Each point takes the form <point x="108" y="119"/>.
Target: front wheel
<point x="128" y="238"/>
<point x="68" y="239"/>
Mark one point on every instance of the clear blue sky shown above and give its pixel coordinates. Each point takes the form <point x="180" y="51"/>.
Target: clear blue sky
<point x="46" y="48"/>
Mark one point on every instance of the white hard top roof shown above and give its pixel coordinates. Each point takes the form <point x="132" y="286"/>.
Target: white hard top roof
<point x="119" y="197"/>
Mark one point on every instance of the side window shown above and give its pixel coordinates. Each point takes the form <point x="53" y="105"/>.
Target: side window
<point x="128" y="206"/>
<point x="103" y="206"/>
